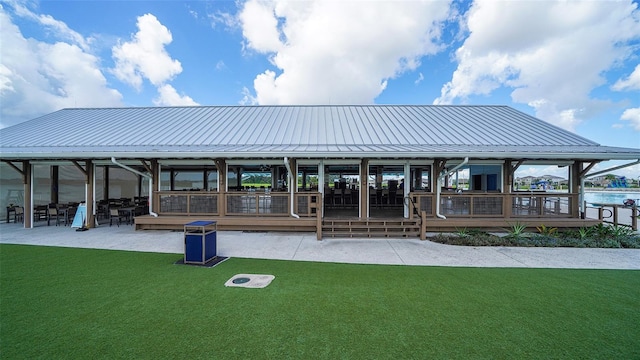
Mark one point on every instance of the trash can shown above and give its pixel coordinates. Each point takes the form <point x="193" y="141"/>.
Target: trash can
<point x="199" y="242"/>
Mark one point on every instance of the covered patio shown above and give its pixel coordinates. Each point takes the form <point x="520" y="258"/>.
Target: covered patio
<point x="326" y="169"/>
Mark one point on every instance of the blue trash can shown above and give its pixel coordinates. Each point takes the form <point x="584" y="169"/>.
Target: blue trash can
<point x="199" y="242"/>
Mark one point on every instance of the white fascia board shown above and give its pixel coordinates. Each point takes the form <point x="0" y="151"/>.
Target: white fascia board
<point x="308" y="161"/>
<point x="476" y="162"/>
<point x="277" y="161"/>
<point x="125" y="162"/>
<point x="547" y="162"/>
<point x="350" y="161"/>
<point x="81" y="155"/>
<point x="187" y="162"/>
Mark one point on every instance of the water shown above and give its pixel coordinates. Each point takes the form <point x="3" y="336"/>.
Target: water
<point x="611" y="197"/>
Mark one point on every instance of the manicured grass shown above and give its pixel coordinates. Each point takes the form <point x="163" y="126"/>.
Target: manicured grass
<point x="82" y="303"/>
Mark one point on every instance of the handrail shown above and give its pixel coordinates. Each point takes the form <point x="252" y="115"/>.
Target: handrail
<point x="412" y="204"/>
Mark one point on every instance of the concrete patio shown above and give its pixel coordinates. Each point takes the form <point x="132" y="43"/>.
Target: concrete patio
<point x="305" y="247"/>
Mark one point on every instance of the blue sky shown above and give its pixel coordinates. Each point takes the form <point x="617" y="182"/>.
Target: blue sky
<point x="572" y="63"/>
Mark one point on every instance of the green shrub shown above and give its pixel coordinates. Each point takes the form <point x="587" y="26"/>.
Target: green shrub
<point x="546" y="231"/>
<point x="598" y="236"/>
<point x="516" y="230"/>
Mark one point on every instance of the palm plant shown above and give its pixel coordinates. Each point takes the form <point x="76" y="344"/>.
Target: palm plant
<point x="517" y="230"/>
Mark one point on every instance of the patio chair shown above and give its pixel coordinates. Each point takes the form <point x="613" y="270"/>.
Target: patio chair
<point x="18" y="215"/>
<point x="114" y="214"/>
<point x="57" y="215"/>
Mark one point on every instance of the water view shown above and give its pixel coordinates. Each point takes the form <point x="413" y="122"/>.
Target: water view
<point x="611" y="197"/>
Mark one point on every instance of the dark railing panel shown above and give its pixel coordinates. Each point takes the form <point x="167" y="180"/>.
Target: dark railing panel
<point x="424" y="202"/>
<point x="203" y="204"/>
<point x="467" y="204"/>
<point x="258" y="204"/>
<point x="188" y="203"/>
<point x="173" y="203"/>
<point x="452" y="205"/>
<point x="542" y="205"/>
<point x="307" y="203"/>
<point x="489" y="205"/>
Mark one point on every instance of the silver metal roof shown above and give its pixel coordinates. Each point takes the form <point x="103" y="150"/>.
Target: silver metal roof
<point x="370" y="131"/>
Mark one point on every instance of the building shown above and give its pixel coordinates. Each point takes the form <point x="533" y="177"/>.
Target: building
<point x="336" y="170"/>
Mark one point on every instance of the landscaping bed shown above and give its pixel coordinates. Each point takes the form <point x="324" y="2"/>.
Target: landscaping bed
<point x="599" y="236"/>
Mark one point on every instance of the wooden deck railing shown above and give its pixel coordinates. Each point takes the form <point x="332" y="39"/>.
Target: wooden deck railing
<point x="187" y="203"/>
<point x="307" y="204"/>
<point x="497" y="205"/>
<point x="237" y="203"/>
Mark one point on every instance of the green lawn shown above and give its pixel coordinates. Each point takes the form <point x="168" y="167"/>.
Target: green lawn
<point x="82" y="303"/>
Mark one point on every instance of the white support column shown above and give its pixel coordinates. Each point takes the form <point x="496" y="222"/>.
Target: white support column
<point x="321" y="184"/>
<point x="406" y="188"/>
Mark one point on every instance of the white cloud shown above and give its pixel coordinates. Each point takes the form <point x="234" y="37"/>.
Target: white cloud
<point x="633" y="116"/>
<point x="59" y="28"/>
<point x="260" y="27"/>
<point x="248" y="98"/>
<point x="168" y="96"/>
<point x="338" y="52"/>
<point x="38" y="77"/>
<point x="553" y="54"/>
<point x="630" y="83"/>
<point x="419" y="79"/>
<point x="145" y="56"/>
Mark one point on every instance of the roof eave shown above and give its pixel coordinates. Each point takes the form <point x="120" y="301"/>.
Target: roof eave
<point x="602" y="156"/>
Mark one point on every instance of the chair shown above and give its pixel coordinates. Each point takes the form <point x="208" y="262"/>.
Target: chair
<point x="385" y="197"/>
<point x="40" y="213"/>
<point x="55" y="214"/>
<point x="18" y="215"/>
<point x="346" y="197"/>
<point x="114" y="214"/>
<point x="337" y="197"/>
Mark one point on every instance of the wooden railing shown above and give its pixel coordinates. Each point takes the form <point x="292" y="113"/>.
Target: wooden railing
<point x="187" y="203"/>
<point x="308" y="204"/>
<point x="543" y="205"/>
<point x="497" y="205"/>
<point x="258" y="204"/>
<point x="237" y="203"/>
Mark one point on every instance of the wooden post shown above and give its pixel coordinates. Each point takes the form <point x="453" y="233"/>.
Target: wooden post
<point x="634" y="217"/>
<point x="319" y="223"/>
<point x="28" y="206"/>
<point x="155" y="186"/>
<point x="507" y="202"/>
<point x="438" y="167"/>
<point x="222" y="186"/>
<point x="423" y="225"/>
<point x="90" y="178"/>
<point x="55" y="184"/>
<point x="364" y="188"/>
<point x="105" y="185"/>
<point x="574" y="188"/>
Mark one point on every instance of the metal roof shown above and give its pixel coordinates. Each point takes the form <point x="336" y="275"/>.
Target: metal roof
<point x="370" y="131"/>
